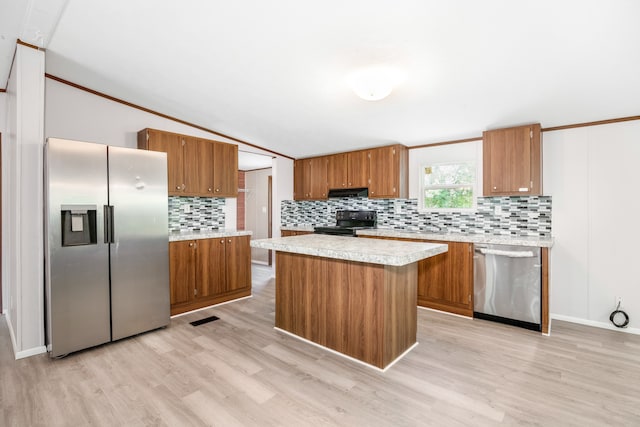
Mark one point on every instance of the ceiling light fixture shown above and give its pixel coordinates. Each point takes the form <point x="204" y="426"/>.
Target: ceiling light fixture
<point x="375" y="82"/>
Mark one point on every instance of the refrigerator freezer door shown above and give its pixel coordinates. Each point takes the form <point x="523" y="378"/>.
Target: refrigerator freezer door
<point x="140" y="247"/>
<point x="77" y="276"/>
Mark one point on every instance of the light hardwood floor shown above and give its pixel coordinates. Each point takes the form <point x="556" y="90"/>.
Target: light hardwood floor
<point x="240" y="371"/>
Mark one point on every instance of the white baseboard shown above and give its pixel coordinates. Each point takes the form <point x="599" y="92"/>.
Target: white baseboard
<point x="24" y="353"/>
<point x="31" y="352"/>
<point x="602" y="325"/>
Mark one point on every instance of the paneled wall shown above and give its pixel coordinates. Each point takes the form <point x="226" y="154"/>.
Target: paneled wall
<point x="22" y="192"/>
<point x="591" y="173"/>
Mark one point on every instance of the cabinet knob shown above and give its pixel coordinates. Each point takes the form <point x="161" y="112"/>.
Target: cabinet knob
<point x="222" y="241"/>
<point x="209" y="189"/>
<point x="178" y="187"/>
<point x="191" y="244"/>
<point x="229" y="241"/>
<point x="217" y="190"/>
<point x="495" y="188"/>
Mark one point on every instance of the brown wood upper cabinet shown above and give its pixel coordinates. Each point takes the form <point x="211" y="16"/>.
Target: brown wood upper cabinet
<point x="310" y="179"/>
<point x="512" y="161"/>
<point x="195" y="166"/>
<point x="348" y="170"/>
<point x="383" y="170"/>
<point x="389" y="177"/>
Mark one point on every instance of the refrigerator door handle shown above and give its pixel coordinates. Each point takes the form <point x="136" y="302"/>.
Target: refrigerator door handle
<point x="108" y="224"/>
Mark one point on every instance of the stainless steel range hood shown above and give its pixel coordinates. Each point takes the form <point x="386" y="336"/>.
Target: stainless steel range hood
<point x="348" y="192"/>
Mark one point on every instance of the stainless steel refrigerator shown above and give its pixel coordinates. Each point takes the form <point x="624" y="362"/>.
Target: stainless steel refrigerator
<point x="107" y="260"/>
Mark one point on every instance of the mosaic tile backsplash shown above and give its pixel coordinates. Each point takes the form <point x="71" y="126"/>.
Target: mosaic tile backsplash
<point x="520" y="215"/>
<point x="206" y="213"/>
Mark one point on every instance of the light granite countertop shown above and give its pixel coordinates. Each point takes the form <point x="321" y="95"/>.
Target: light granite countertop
<point x="176" y="236"/>
<point x="346" y="248"/>
<point x="542" y="242"/>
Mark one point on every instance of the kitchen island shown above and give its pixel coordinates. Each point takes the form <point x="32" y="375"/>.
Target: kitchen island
<point x="354" y="296"/>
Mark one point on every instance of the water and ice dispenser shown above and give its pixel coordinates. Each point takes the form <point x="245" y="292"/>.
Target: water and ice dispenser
<point x="78" y="225"/>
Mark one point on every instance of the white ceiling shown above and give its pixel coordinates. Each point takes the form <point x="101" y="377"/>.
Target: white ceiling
<point x="273" y="72"/>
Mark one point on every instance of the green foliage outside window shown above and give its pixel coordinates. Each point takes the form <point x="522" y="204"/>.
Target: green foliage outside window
<point x="449" y="186"/>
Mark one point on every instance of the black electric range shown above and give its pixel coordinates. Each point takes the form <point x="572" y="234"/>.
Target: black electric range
<point x="348" y="222"/>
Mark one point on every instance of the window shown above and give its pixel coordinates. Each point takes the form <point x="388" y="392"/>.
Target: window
<point x="448" y="186"/>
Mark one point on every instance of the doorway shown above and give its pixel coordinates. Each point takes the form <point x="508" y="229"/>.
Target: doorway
<point x="258" y="207"/>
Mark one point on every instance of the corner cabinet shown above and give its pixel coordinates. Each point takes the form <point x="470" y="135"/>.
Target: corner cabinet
<point x="195" y="166"/>
<point x="204" y="272"/>
<point x="445" y="281"/>
<point x="512" y="161"/>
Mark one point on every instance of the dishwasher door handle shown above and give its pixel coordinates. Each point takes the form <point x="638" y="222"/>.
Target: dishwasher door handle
<point x="510" y="254"/>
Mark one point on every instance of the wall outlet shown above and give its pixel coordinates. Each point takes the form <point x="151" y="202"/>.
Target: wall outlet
<point x="397" y="207"/>
<point x="186" y="208"/>
<point x="497" y="210"/>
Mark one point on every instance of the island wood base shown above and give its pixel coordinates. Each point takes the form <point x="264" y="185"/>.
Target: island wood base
<point x="365" y="311"/>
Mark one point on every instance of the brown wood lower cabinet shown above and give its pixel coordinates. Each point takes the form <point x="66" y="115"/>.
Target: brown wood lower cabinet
<point x="208" y="271"/>
<point x="366" y="311"/>
<point x="289" y="233"/>
<point x="445" y="281"/>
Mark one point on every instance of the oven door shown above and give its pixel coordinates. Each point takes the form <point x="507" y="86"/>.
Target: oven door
<point x="334" y="231"/>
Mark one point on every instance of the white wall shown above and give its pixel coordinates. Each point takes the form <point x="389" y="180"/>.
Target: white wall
<point x="23" y="272"/>
<point x="256" y="214"/>
<point x="5" y="139"/>
<point x="36" y="109"/>
<point x="282" y="172"/>
<point x="76" y="114"/>
<point x="466" y="151"/>
<point x="591" y="174"/>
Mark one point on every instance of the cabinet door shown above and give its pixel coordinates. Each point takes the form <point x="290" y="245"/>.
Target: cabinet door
<point x="358" y="169"/>
<point x="384" y="172"/>
<point x="182" y="272"/>
<point x="205" y="168"/>
<point x="172" y="145"/>
<point x="197" y="161"/>
<point x="298" y="180"/>
<point x="238" y="258"/>
<point x="337" y="171"/>
<point x="318" y="173"/>
<point x="302" y="179"/>
<point x="511" y="159"/>
<point x="225" y="170"/>
<point x="445" y="281"/>
<point x="210" y="266"/>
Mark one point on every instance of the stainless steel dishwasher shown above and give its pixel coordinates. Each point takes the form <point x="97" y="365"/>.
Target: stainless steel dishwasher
<point x="506" y="285"/>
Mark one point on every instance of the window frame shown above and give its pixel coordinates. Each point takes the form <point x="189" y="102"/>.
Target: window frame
<point x="474" y="187"/>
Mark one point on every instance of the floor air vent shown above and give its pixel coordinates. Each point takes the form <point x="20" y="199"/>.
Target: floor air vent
<point x="205" y="320"/>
